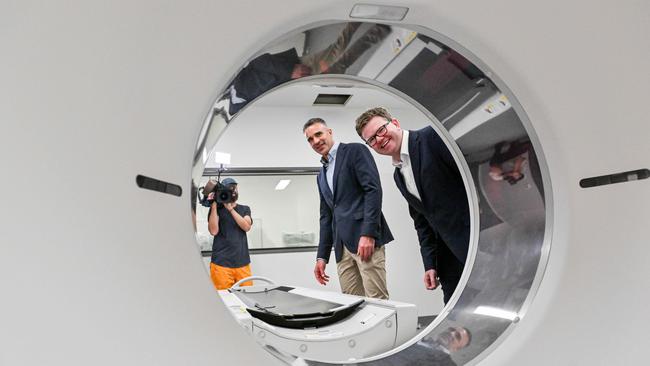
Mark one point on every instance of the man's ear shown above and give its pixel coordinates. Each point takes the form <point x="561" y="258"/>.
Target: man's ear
<point x="395" y="122"/>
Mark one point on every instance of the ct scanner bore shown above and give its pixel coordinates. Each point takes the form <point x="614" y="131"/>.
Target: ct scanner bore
<point x="491" y="137"/>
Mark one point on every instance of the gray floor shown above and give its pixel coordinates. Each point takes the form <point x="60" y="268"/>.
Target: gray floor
<point x="423" y="321"/>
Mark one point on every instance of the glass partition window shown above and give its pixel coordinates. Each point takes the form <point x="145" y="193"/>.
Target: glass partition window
<point x="284" y="209"/>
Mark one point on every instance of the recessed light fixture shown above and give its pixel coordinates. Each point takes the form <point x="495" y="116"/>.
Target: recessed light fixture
<point x="332" y="99"/>
<point x="497" y="313"/>
<point x="282" y="184"/>
<point x="381" y="12"/>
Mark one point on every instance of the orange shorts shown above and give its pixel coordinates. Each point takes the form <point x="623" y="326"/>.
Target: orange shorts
<point x="223" y="277"/>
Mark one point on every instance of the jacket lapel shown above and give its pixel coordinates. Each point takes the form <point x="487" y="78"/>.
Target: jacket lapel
<point x="414" y="155"/>
<point x="340" y="158"/>
<point x="411" y="199"/>
<point x="415" y="166"/>
<point x="324" y="188"/>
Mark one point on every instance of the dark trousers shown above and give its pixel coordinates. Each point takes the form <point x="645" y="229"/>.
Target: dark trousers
<point x="449" y="271"/>
<point x="448" y="284"/>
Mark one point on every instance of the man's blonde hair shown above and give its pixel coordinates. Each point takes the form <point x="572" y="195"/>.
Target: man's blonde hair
<point x="366" y="116"/>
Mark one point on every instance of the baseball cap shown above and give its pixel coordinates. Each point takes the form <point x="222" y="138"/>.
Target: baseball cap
<point x="228" y="181"/>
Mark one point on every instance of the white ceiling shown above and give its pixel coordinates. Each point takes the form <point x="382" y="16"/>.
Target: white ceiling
<point x="303" y="93"/>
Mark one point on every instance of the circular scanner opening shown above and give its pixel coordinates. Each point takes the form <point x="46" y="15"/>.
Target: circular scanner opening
<point x="254" y="135"/>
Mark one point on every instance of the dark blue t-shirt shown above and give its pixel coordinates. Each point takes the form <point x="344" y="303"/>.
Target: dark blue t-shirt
<point x="230" y="245"/>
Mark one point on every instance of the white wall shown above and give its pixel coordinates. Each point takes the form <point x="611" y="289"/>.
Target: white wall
<point x="272" y="137"/>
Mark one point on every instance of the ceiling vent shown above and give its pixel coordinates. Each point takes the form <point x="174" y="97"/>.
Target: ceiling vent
<point x="332" y="99"/>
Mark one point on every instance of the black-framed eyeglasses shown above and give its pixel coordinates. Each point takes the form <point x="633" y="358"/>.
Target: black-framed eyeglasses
<point x="381" y="131"/>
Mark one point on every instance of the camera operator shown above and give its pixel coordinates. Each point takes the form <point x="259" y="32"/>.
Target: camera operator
<point x="228" y="222"/>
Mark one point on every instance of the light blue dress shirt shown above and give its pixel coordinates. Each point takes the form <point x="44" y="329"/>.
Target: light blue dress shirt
<point x="329" y="174"/>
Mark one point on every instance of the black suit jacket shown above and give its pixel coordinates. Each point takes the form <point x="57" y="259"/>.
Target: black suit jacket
<point x="263" y="73"/>
<point x="442" y="217"/>
<point x="354" y="208"/>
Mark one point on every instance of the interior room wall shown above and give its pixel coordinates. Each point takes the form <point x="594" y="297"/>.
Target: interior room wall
<point x="289" y="211"/>
<point x="272" y="137"/>
<point x="293" y="210"/>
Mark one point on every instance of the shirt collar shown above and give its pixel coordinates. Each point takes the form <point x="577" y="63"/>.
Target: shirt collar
<point x="404" y="150"/>
<point x="332" y="154"/>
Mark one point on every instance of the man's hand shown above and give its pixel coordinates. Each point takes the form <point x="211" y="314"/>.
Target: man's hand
<point x="229" y="206"/>
<point x="366" y="247"/>
<point x="319" y="272"/>
<point x="300" y="70"/>
<point x="431" y="280"/>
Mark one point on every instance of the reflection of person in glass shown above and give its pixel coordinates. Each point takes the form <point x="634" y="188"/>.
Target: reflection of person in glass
<point x="428" y="178"/>
<point x="229" y="222"/>
<point x="270" y="70"/>
<point x="504" y="152"/>
<point x="451" y="340"/>
<point x="432" y="350"/>
<point x="350" y="214"/>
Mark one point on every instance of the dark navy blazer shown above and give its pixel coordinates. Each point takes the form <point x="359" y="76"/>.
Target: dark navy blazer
<point x="354" y="208"/>
<point x="442" y="217"/>
<point x="263" y="73"/>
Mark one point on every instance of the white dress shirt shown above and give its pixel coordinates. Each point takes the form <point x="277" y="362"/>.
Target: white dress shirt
<point x="405" y="167"/>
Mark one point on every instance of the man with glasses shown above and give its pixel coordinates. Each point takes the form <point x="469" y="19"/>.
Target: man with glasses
<point x="429" y="180"/>
<point x="350" y="214"/>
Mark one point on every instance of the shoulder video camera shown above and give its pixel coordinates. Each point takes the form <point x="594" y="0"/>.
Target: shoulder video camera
<point x="223" y="193"/>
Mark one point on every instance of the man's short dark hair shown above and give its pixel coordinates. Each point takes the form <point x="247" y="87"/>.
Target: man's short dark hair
<point x="313" y="121"/>
<point x="366" y="116"/>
